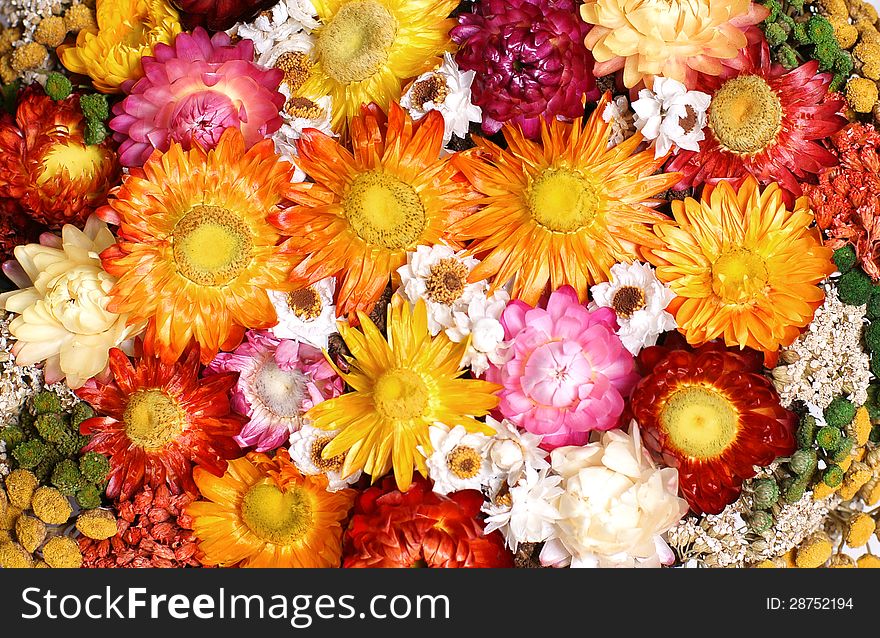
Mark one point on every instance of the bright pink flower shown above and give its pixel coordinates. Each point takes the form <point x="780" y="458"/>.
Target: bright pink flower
<point x="193" y="91"/>
<point x="279" y="380"/>
<point x="569" y="373"/>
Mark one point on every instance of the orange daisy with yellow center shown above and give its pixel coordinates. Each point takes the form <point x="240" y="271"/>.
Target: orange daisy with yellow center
<point x="365" y="209"/>
<point x="744" y="267"/>
<point x="196" y="253"/>
<point x="264" y="513"/>
<point x="563" y="210"/>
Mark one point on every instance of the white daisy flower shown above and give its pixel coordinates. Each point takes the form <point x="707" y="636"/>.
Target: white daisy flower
<point x="671" y="115"/>
<point x="278" y="24"/>
<point x="459" y="460"/>
<point x="306" y="445"/>
<point x="482" y="319"/>
<point x="438" y="275"/>
<point x="447" y="90"/>
<point x="619" y="115"/>
<point x="308" y="314"/>
<point x="300" y="113"/>
<point x="527" y="513"/>
<point x="512" y="453"/>
<point x="640" y="301"/>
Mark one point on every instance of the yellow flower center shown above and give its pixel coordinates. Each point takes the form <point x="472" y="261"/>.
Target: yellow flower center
<point x="739" y="275"/>
<point x="400" y="394"/>
<point x="333" y="464"/>
<point x="275" y="516"/>
<point x="211" y="245"/>
<point x="700" y="422"/>
<point x="152" y="419"/>
<point x="446" y="281"/>
<point x="296" y="67"/>
<point x="384" y="211"/>
<point x="356" y="42"/>
<point x="746" y="115"/>
<point x="464" y="462"/>
<point x="562" y="200"/>
<point x="627" y="301"/>
<point x="80" y="162"/>
<point x="305" y="303"/>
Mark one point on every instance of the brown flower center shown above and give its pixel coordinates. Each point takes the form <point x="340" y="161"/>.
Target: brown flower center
<point x="464" y="462"/>
<point x="296" y="67"/>
<point x="303" y="107"/>
<point x="689" y="121"/>
<point x="152" y="419"/>
<point x="333" y="464"/>
<point x="447" y="281"/>
<point x="305" y="303"/>
<point x="627" y="300"/>
<point x="432" y="89"/>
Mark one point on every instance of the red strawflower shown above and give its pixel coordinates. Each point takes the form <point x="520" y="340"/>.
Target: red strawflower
<point x="157" y="420"/>
<point x="153" y="532"/>
<point x="416" y="528"/>
<point x="763" y="121"/>
<point x="16" y="228"/>
<point x="711" y="414"/>
<point x="220" y="15"/>
<point x="46" y="165"/>
<point x="846" y="201"/>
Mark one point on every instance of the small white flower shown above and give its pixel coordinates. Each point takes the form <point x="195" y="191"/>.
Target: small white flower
<point x="671" y="115"/>
<point x="459" y="460"/>
<point x="307" y="315"/>
<point x="438" y="275"/>
<point x="528" y="513"/>
<point x="447" y="90"/>
<point x="306" y="445"/>
<point x="618" y="113"/>
<point x="299" y="114"/>
<point x="482" y="320"/>
<point x="284" y="20"/>
<point x="640" y="301"/>
<point x="513" y="452"/>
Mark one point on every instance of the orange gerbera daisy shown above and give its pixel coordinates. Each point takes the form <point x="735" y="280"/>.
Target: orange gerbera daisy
<point x="196" y="253"/>
<point x="743" y="266"/>
<point x="365" y="210"/>
<point x="264" y="513"/>
<point x="561" y="211"/>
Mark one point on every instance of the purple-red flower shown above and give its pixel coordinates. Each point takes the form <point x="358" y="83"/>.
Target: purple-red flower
<point x="220" y="15"/>
<point x="530" y="60"/>
<point x="193" y="91"/>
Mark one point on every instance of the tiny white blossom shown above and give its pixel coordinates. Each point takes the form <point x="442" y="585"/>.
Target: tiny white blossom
<point x="513" y="453"/>
<point x="278" y="24"/>
<point x="482" y="320"/>
<point x="671" y="115"/>
<point x="531" y="513"/>
<point x="307" y="315"/>
<point x="619" y="115"/>
<point x="459" y="460"/>
<point x="306" y="445"/>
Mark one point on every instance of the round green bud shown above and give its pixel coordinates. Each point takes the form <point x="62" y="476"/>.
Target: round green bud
<point x="775" y="34"/>
<point x="854" y="287"/>
<point x="79" y="413"/>
<point x="832" y="476"/>
<point x="66" y="477"/>
<point x="872" y="336"/>
<point x="58" y="86"/>
<point x="760" y="521"/>
<point x="46" y="402"/>
<point x="96" y="132"/>
<point x="793" y="489"/>
<point x="828" y="437"/>
<point x="786" y="56"/>
<point x="11" y="435"/>
<point x="806" y="432"/>
<point x="839" y="413"/>
<point x="88" y="497"/>
<point x="94" y="467"/>
<point x="843" y="450"/>
<point x="95" y="106"/>
<point x="803" y="462"/>
<point x="765" y="493"/>
<point x="30" y="453"/>
<point x="845" y="258"/>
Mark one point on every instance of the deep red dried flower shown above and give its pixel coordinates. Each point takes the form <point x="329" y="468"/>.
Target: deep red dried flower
<point x="220" y="15"/>
<point x="419" y="528"/>
<point x="16" y="228"/>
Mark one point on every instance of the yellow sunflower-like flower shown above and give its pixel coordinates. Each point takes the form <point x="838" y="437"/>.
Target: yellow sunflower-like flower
<point x="673" y="38"/>
<point x="196" y="253"/>
<point x="365" y="49"/>
<point x="127" y="31"/>
<point x="401" y="388"/>
<point x="743" y="266"/>
<point x="264" y="513"/>
<point x="563" y="210"/>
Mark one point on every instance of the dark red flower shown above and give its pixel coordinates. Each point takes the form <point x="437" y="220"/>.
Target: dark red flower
<point x="220" y="15"/>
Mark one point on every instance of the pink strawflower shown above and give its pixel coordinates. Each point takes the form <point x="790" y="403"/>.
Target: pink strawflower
<point x="195" y="90"/>
<point x="569" y="373"/>
<point x="279" y="380"/>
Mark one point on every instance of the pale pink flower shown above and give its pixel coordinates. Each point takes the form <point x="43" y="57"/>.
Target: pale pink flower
<point x="192" y="92"/>
<point x="569" y="373"/>
<point x="279" y="381"/>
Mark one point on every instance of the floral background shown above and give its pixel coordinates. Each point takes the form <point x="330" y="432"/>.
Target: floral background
<point x="428" y="283"/>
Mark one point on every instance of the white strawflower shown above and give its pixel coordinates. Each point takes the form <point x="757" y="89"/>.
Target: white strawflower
<point x="306" y="445"/>
<point x="528" y="512"/>
<point x="278" y="24"/>
<point x="639" y="299"/>
<point x="459" y="460"/>
<point x="512" y="452"/>
<point x="619" y="115"/>
<point x="308" y="314"/>
<point x="482" y="321"/>
<point x="671" y="115"/>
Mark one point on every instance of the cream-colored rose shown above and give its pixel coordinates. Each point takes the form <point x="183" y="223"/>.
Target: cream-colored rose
<point x="62" y="305"/>
<point x="616" y="506"/>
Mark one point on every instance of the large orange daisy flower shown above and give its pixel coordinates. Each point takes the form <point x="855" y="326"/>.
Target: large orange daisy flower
<point x="561" y="211"/>
<point x="365" y="210"/>
<point x="264" y="513"/>
<point x="196" y="253"/>
<point x="744" y="267"/>
<point x="157" y="420"/>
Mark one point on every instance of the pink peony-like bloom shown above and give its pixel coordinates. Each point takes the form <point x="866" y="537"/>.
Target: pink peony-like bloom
<point x="569" y="373"/>
<point x="193" y="91"/>
<point x="279" y="381"/>
<point x="530" y="60"/>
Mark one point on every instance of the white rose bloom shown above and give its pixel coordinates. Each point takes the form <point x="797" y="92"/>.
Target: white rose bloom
<point x="62" y="305"/>
<point x="615" y="507"/>
<point x="439" y="275"/>
<point x="278" y="24"/>
<point x="528" y="512"/>
<point x="307" y="315"/>
<point x="639" y="299"/>
<point x="459" y="460"/>
<point x="619" y="115"/>
<point x="672" y="116"/>
<point x="447" y="90"/>
<point x="513" y="453"/>
<point x="306" y="445"/>
<point x="482" y="320"/>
